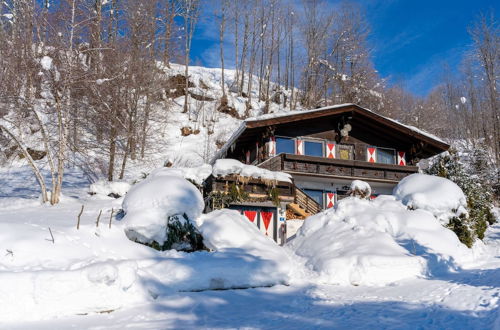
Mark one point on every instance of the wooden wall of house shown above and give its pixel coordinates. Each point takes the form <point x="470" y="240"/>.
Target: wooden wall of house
<point x="363" y="135"/>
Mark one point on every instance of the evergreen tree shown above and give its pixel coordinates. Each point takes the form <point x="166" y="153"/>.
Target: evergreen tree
<point x="476" y="188"/>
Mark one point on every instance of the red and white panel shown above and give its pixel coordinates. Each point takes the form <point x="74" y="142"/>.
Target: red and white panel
<point x="371" y="154"/>
<point x="266" y="223"/>
<point x="401" y="158"/>
<point x="299" y="147"/>
<point x="271" y="147"/>
<point x="330" y="199"/>
<point x="330" y="150"/>
<point x="252" y="216"/>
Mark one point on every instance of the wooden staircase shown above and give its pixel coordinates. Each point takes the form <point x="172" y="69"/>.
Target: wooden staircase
<point x="303" y="205"/>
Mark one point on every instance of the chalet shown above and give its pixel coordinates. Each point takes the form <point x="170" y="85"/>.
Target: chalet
<point x="323" y="150"/>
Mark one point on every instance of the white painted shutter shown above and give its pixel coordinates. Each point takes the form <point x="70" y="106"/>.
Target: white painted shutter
<point x="330" y="150"/>
<point x="329" y="199"/>
<point x="271" y="147"/>
<point x="299" y="147"/>
<point x="371" y="154"/>
<point x="401" y="158"/>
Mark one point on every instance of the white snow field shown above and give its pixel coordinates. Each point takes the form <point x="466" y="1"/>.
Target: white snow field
<point x="395" y="269"/>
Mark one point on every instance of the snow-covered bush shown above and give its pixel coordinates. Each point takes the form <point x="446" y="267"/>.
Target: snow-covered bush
<point x="479" y="195"/>
<point x="443" y="198"/>
<point x="360" y="189"/>
<point x="363" y="242"/>
<point x="156" y="206"/>
<point x="194" y="174"/>
<point x="113" y="189"/>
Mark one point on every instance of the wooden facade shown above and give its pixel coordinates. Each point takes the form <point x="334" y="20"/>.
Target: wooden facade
<point x="324" y="150"/>
<point x="338" y="168"/>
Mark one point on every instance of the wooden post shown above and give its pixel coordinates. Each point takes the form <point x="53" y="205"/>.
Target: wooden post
<point x="111" y="217"/>
<point x="79" y="215"/>
<point x="53" y="241"/>
<point x="98" y="218"/>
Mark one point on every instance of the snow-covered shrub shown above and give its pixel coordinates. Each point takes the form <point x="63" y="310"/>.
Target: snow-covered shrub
<point x="113" y="189"/>
<point x="363" y="242"/>
<point x="443" y="198"/>
<point x="479" y="196"/>
<point x="360" y="189"/>
<point x="195" y="175"/>
<point x="155" y="207"/>
<point x="181" y="235"/>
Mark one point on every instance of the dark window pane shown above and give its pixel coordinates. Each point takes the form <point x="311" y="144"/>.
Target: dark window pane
<point x="317" y="195"/>
<point x="285" y="145"/>
<point x="385" y="156"/>
<point x="313" y="148"/>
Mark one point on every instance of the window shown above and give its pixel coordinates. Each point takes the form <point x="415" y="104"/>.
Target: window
<point x="317" y="195"/>
<point x="313" y="148"/>
<point x="285" y="145"/>
<point x="385" y="156"/>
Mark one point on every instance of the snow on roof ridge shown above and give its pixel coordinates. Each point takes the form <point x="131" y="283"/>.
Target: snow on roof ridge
<point x="294" y="112"/>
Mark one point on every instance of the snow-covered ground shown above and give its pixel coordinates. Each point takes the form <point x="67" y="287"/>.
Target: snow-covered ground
<point x="95" y="278"/>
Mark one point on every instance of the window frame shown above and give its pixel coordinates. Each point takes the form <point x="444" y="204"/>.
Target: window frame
<point x="394" y="155"/>
<point x="320" y="141"/>
<point x="287" y="138"/>
<point x="322" y="203"/>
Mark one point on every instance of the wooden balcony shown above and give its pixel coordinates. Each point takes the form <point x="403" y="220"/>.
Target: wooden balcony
<point x="338" y="168"/>
<point x="255" y="188"/>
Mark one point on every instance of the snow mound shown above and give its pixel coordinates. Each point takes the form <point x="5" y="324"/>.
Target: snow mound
<point x="440" y="196"/>
<point x="241" y="257"/>
<point x="363" y="242"/>
<point x="100" y="287"/>
<point x="224" y="167"/>
<point x="195" y="174"/>
<point x="107" y="188"/>
<point x="360" y="189"/>
<point x="149" y="203"/>
<point x="228" y="231"/>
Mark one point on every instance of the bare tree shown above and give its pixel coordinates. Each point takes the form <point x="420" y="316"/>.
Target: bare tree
<point x="486" y="36"/>
<point x="189" y="12"/>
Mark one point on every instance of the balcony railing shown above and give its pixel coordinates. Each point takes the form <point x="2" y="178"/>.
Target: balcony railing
<point x="338" y="167"/>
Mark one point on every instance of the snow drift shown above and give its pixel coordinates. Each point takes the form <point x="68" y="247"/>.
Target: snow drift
<point x="195" y="174"/>
<point x="149" y="204"/>
<point x="109" y="189"/>
<point x="98" y="269"/>
<point x="241" y="257"/>
<point x="363" y="242"/>
<point x="224" y="167"/>
<point x="440" y="196"/>
<point x="229" y="231"/>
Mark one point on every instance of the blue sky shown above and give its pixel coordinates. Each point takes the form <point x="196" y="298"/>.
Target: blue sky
<point x="411" y="40"/>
